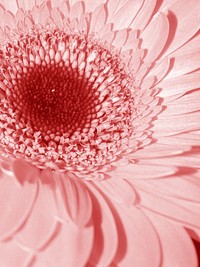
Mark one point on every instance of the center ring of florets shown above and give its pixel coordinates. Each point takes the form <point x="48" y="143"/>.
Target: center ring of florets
<point x="66" y="101"/>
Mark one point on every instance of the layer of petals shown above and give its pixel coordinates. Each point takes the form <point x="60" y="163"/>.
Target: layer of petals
<point x="16" y="203"/>
<point x="154" y="37"/>
<point x="177" y="247"/>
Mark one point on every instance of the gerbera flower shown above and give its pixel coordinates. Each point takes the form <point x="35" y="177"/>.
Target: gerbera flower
<point x="100" y="133"/>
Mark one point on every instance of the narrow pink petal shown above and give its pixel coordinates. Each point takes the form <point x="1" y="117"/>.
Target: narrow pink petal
<point x="83" y="24"/>
<point x="160" y="69"/>
<point x="132" y="41"/>
<point x="25" y="5"/>
<point x="155" y="150"/>
<point x="41" y="223"/>
<point x="186" y="187"/>
<point x="13" y="194"/>
<point x="118" y="190"/>
<point x="177" y="247"/>
<point x="19" y="15"/>
<point x="182" y="139"/>
<point x="190" y="161"/>
<point x="166" y="4"/>
<point x="70" y="247"/>
<point x="144" y="16"/>
<point x="136" y="60"/>
<point x="40" y="2"/>
<point x="10" y="5"/>
<point x="64" y="8"/>
<point x="76" y="11"/>
<point x="154" y="37"/>
<point x="105" y="30"/>
<point x="56" y="17"/>
<point x="57" y="3"/>
<point x="169" y="207"/>
<point x="185" y="104"/>
<point x="113" y="6"/>
<point x="143" y="171"/>
<point x="138" y="242"/>
<point x="105" y="231"/>
<point x="73" y="200"/>
<point x="9" y="20"/>
<point x="98" y="19"/>
<point x="108" y="36"/>
<point x="25" y="172"/>
<point x="120" y="38"/>
<point x="28" y="23"/>
<point x="2" y="10"/>
<point x="184" y="21"/>
<point x="91" y="5"/>
<point x="186" y="59"/>
<point x="177" y="87"/>
<point x="177" y="123"/>
<point x="125" y="15"/>
<point x="41" y="14"/>
<point x="13" y="255"/>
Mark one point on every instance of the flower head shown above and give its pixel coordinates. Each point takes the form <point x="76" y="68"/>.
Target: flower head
<point x="99" y="116"/>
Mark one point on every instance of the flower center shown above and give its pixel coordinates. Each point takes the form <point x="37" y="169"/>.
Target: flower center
<point x="66" y="101"/>
<point x="55" y="100"/>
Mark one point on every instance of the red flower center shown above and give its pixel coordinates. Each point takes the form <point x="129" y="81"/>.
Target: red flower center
<point x="66" y="101"/>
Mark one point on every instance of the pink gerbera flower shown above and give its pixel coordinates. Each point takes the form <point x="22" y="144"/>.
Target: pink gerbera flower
<point x="100" y="133"/>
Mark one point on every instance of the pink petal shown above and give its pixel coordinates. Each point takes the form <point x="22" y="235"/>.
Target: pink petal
<point x="182" y="139"/>
<point x="169" y="208"/>
<point x="131" y="41"/>
<point x="76" y="11"/>
<point x="14" y="208"/>
<point x="41" y="224"/>
<point x="9" y="20"/>
<point x="160" y="69"/>
<point x="186" y="59"/>
<point x="98" y="18"/>
<point x="185" y="187"/>
<point x="185" y="104"/>
<point x="143" y="171"/>
<point x="39" y="2"/>
<point x="10" y="5"/>
<point x="176" y="87"/>
<point x="138" y="242"/>
<point x="105" y="231"/>
<point x="120" y="38"/>
<point x="91" y="5"/>
<point x="154" y="37"/>
<point x="157" y="150"/>
<point x="177" y="124"/>
<point x="118" y="190"/>
<point x="113" y="6"/>
<point x="41" y="14"/>
<point x="25" y="5"/>
<point x="191" y="160"/>
<point x="11" y="254"/>
<point x="57" y="18"/>
<point x="2" y="10"/>
<point x="70" y="247"/>
<point x="73" y="200"/>
<point x="125" y="14"/>
<point x="64" y="8"/>
<point x="177" y="247"/>
<point x="144" y="15"/>
<point x="57" y="3"/>
<point x="182" y="14"/>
